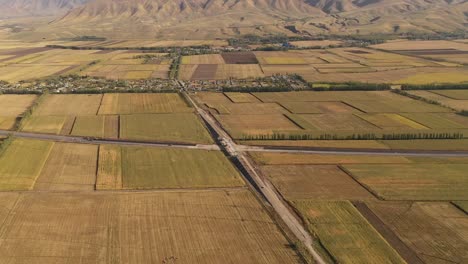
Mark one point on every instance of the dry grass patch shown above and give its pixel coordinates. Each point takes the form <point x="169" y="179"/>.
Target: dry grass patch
<point x="436" y="232"/>
<point x="22" y="162"/>
<point x="121" y="104"/>
<point x="345" y="233"/>
<point x="70" y="167"/>
<point x="68" y="104"/>
<point x="223" y="227"/>
<point x="181" y="127"/>
<point x="422" y="181"/>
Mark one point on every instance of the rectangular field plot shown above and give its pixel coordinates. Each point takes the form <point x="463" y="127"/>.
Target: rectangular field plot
<point x="402" y="105"/>
<point x="181" y="127"/>
<point x="15" y="105"/>
<point x="45" y="124"/>
<point x="446" y="101"/>
<point x="437" y="232"/>
<point x="96" y="126"/>
<point x="265" y="158"/>
<point x="70" y="104"/>
<point x="345" y="233"/>
<point x="12" y="107"/>
<point x="393" y="121"/>
<point x="333" y="122"/>
<point x="318" y="107"/>
<point x="22" y="162"/>
<point x="422" y="181"/>
<point x="256" y="124"/>
<point x="247" y="108"/>
<point x="223" y="227"/>
<point x="315" y="182"/>
<point x="203" y="59"/>
<point x="453" y="94"/>
<point x="154" y="168"/>
<point x="242" y="98"/>
<point x="435" y="120"/>
<point x="70" y="167"/>
<point x="121" y="104"/>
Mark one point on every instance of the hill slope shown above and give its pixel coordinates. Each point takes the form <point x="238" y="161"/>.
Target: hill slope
<point x="24" y="8"/>
<point x="223" y="18"/>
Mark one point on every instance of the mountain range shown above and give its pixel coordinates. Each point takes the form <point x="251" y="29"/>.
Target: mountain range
<point x="221" y="18"/>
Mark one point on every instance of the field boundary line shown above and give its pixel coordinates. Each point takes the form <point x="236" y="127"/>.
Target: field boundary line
<point x="42" y="167"/>
<point x="375" y="194"/>
<point x="387" y="233"/>
<point x="458" y="207"/>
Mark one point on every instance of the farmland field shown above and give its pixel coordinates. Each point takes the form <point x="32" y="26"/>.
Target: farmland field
<point x="121" y="104"/>
<point x="153" y="168"/>
<point x="140" y="228"/>
<point x="96" y="126"/>
<point x="70" y="167"/>
<point x="70" y="104"/>
<point x="22" y="162"/>
<point x="179" y="127"/>
<point x="253" y="124"/>
<point x="413" y="181"/>
<point x="318" y="182"/>
<point x="435" y="231"/>
<point x="13" y="106"/>
<point x="345" y="233"/>
<point x="44" y="124"/>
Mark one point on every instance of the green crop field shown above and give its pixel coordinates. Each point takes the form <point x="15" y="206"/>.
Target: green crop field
<point x="345" y="233"/>
<point x="21" y="162"/>
<point x="153" y="168"/>
<point x="179" y="127"/>
<point x="422" y="181"/>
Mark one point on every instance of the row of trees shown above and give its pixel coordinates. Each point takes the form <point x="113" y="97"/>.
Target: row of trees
<point x="363" y="136"/>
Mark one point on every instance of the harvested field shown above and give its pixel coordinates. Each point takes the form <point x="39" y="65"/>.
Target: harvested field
<point x="239" y="58"/>
<point x="421" y="45"/>
<point x="15" y="105"/>
<point x="334" y="122"/>
<point x="394" y="121"/>
<point x="437" y="232"/>
<point x="69" y="104"/>
<point x="428" y="144"/>
<point x="205" y="72"/>
<point x="463" y="205"/>
<point x="265" y="158"/>
<point x="70" y="167"/>
<point x="318" y="107"/>
<point x="435" y="120"/>
<point x="315" y="43"/>
<point x="21" y="163"/>
<point x="181" y="127"/>
<point x="256" y="124"/>
<point x="203" y="59"/>
<point x="109" y="174"/>
<point x="413" y="181"/>
<point x="141" y="228"/>
<point x="44" y="124"/>
<point x="238" y="71"/>
<point x="327" y="96"/>
<point x="242" y="98"/>
<point x="212" y="98"/>
<point x="396" y="106"/>
<point x="97" y="126"/>
<point x="186" y="72"/>
<point x="283" y="60"/>
<point x="318" y="182"/>
<point x="247" y="108"/>
<point x="7" y="122"/>
<point x="156" y="168"/>
<point x="453" y="94"/>
<point x="452" y="103"/>
<point x="345" y="233"/>
<point x="121" y="104"/>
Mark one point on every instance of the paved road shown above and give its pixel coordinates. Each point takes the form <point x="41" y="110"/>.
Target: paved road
<point x="264" y="186"/>
<point x="85" y="140"/>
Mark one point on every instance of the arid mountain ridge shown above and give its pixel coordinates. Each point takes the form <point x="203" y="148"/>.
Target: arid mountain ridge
<point x="210" y="18"/>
